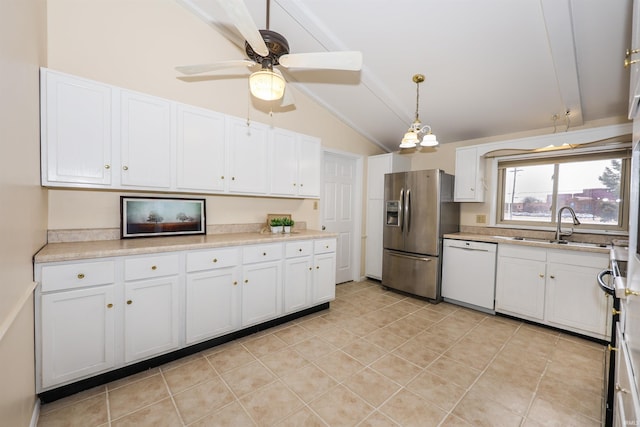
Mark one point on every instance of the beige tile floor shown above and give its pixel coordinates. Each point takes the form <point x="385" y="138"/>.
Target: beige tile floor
<point x="375" y="358"/>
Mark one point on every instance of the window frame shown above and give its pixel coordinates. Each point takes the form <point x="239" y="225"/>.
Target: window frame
<point x="556" y="158"/>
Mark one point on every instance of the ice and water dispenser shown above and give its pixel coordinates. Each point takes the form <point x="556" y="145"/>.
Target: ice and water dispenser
<point x="392" y="213"/>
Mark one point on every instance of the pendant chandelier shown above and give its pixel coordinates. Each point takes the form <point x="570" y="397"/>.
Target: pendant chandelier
<point x="417" y="133"/>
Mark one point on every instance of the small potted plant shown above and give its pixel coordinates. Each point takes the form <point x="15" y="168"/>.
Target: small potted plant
<point x="287" y="223"/>
<point x="276" y="225"/>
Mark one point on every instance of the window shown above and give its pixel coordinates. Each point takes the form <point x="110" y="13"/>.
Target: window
<point x="595" y="185"/>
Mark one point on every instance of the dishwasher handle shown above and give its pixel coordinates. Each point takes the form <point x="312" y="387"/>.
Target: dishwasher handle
<point x="464" y="248"/>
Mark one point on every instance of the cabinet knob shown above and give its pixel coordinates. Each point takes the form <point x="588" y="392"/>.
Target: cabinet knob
<point x="264" y="254"/>
<point x="215" y="260"/>
<point x="222" y="177"/>
<point x="246" y="280"/>
<point x="109" y="305"/>
<point x="541" y="275"/>
<point x="610" y="348"/>
<point x="614" y="311"/>
<point x="107" y="166"/>
<point x="301" y="185"/>
<point x="472" y="189"/>
<point x="235" y="282"/>
<point x="326" y="246"/>
<point x="129" y="302"/>
<point x="80" y="275"/>
<point x="153" y="267"/>
<point x="628" y="292"/>
<point x="125" y="168"/>
<point x="300" y="250"/>
<point x="552" y="276"/>
<point x="233" y="178"/>
<point x="294" y="184"/>
<point x="310" y="268"/>
<point x="317" y="267"/>
<point x="627" y="57"/>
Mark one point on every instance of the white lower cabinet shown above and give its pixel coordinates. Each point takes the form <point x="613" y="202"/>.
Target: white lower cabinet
<point x="261" y="292"/>
<point x="554" y="287"/>
<point x="77" y="333"/>
<point x="96" y="315"/>
<point x="151" y="322"/>
<point x="212" y="306"/>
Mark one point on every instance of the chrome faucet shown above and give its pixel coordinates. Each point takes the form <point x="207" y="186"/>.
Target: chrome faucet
<point x="559" y="233"/>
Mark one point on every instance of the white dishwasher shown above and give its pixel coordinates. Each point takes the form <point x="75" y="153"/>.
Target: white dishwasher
<point x="469" y="274"/>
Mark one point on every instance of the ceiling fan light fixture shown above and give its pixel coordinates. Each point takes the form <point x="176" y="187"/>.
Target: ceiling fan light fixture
<point x="267" y="85"/>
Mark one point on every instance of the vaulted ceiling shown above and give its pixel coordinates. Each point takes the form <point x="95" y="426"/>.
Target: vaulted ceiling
<point x="492" y="67"/>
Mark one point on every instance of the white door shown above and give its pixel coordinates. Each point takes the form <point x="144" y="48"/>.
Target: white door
<point x="338" y="207"/>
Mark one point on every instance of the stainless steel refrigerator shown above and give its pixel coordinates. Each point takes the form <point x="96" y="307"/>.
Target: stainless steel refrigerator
<point x="419" y="209"/>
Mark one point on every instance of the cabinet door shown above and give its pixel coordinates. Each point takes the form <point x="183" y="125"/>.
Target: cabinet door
<point x="574" y="298"/>
<point x="78" y="334"/>
<point x="634" y="83"/>
<point x="248" y="156"/>
<point x="284" y="156"/>
<point x="309" y="165"/>
<point x="200" y="149"/>
<point x="261" y="292"/>
<point x="468" y="176"/>
<point x="76" y="130"/>
<point x="375" y="221"/>
<point x="520" y="287"/>
<point x="145" y="140"/>
<point x="150" y="317"/>
<point x="324" y="279"/>
<point x="212" y="305"/>
<point x="297" y="283"/>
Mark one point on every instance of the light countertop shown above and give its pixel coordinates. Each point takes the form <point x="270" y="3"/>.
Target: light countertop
<point x="540" y="243"/>
<point x="70" y="251"/>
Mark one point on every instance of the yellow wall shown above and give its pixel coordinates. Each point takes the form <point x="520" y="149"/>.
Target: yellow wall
<point x="136" y="44"/>
<point x="23" y="208"/>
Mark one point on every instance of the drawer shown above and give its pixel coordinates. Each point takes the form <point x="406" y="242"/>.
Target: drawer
<point x="214" y="258"/>
<point x="260" y="253"/>
<point x="525" y="252"/>
<point x="69" y="276"/>
<point x="299" y="248"/>
<point x="324" y="245"/>
<point x="150" y="266"/>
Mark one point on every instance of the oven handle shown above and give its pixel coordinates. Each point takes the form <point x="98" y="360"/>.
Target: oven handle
<point x="606" y="288"/>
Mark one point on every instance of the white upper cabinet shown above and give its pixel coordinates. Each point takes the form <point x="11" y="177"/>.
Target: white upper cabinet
<point x="200" y="149"/>
<point x="145" y="140"/>
<point x="295" y="161"/>
<point x="469" y="175"/>
<point x="309" y="161"/>
<point x="76" y="130"/>
<point x="95" y="135"/>
<point x="248" y="156"/>
<point x="284" y="156"/>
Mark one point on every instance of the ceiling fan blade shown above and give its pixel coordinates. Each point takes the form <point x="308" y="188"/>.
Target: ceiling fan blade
<point x="350" y="61"/>
<point x="205" y="68"/>
<point x="241" y="18"/>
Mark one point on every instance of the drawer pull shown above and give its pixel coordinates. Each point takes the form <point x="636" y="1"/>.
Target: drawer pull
<point x="153" y="267"/>
<point x="327" y="247"/>
<point x="235" y="282"/>
<point x="125" y="168"/>
<point x="107" y="166"/>
<point x="109" y="305"/>
<point x="300" y="250"/>
<point x="129" y="302"/>
<point x="215" y="260"/>
<point x="264" y="254"/>
<point x="246" y="280"/>
<point x="80" y="275"/>
<point x="317" y="267"/>
<point x="552" y="276"/>
<point x="541" y="275"/>
<point x="310" y="268"/>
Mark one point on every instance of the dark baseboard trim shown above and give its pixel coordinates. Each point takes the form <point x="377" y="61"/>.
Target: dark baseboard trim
<point x="69" y="389"/>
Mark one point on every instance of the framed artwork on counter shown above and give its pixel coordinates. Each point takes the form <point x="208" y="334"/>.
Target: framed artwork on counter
<point x="161" y="216"/>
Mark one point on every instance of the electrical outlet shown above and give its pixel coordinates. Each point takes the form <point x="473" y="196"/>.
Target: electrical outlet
<point x="315" y="205"/>
<point x="481" y="219"/>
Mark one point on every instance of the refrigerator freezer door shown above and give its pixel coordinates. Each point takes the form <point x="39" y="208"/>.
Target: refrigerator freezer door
<point x="394" y="191"/>
<point x="417" y="275"/>
<point x="422" y="212"/>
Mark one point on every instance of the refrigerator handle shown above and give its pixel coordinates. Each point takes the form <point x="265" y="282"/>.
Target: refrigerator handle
<point x="400" y="210"/>
<point x="407" y="210"/>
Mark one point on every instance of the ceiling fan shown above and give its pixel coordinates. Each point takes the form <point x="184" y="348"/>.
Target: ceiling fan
<point x="268" y="49"/>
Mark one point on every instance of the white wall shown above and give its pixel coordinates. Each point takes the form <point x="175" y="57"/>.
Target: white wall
<point x="23" y="208"/>
<point x="136" y="44"/>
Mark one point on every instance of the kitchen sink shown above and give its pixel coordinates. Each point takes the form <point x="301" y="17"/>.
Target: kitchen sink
<point x="554" y="242"/>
